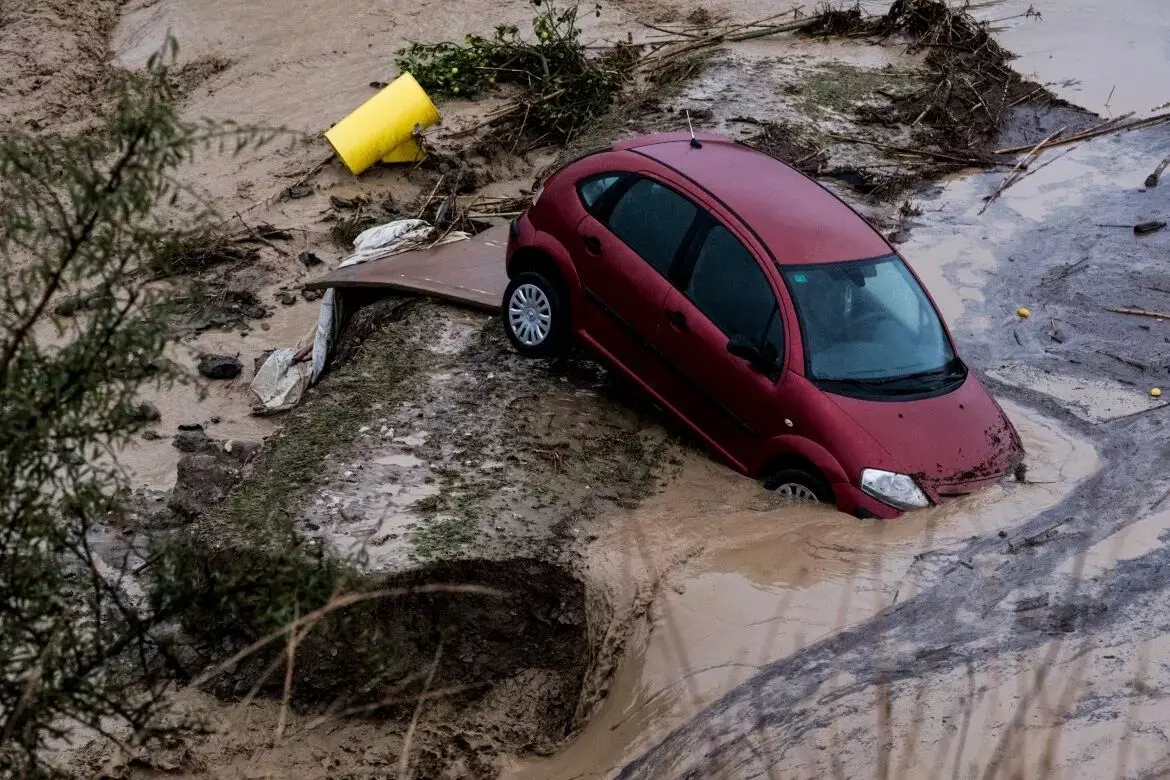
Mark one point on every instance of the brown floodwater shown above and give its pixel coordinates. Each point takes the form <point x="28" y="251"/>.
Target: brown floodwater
<point x="222" y="407"/>
<point x="744" y="581"/>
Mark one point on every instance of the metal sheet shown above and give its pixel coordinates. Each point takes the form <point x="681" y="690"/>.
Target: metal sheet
<point x="470" y="272"/>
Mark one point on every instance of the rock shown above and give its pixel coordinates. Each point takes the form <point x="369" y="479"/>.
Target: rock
<point x="351" y="513"/>
<point x="191" y="441"/>
<point x="288" y="298"/>
<point x="259" y="360"/>
<point x="202" y="481"/>
<point x="241" y="451"/>
<point x="309" y="259"/>
<point x="148" y="411"/>
<point x="311" y="295"/>
<point x="299" y="191"/>
<point x="220" y="366"/>
<point x="190" y="427"/>
<point x="338" y="202"/>
<point x="151" y="435"/>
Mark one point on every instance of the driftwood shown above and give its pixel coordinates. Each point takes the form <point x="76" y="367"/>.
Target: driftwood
<point x="736" y="34"/>
<point x="943" y="156"/>
<point x="1105" y="128"/>
<point x="1014" y="174"/>
<point x="1139" y="312"/>
<point x="1152" y="179"/>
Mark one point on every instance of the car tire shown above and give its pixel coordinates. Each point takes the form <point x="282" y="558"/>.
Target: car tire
<point x="799" y="486"/>
<point x="536" y="316"/>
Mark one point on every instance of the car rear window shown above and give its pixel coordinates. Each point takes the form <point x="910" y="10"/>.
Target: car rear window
<point x="653" y="220"/>
<point x="594" y="188"/>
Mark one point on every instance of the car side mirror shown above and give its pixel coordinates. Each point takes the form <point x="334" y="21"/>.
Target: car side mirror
<point x="763" y="359"/>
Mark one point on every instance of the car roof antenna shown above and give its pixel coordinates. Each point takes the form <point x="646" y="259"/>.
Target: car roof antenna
<point x="694" y="141"/>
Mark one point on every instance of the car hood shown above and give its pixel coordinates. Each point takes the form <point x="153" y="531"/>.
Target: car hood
<point x="951" y="444"/>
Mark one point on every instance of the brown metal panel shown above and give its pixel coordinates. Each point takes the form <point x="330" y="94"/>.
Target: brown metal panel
<point x="470" y="272"/>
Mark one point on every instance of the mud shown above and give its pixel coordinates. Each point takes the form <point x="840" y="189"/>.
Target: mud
<point x="1032" y="657"/>
<point x="744" y="581"/>
<point x="53" y="63"/>
<point x="471" y="660"/>
<point x="733" y="637"/>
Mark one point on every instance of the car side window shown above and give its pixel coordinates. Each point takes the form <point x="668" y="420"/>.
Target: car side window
<point x="730" y="288"/>
<point x="653" y="220"/>
<point x="593" y="189"/>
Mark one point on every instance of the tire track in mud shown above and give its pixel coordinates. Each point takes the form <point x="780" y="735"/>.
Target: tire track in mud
<point x="967" y="621"/>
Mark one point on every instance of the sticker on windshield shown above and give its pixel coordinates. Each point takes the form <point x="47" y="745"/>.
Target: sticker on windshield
<point x="799" y="278"/>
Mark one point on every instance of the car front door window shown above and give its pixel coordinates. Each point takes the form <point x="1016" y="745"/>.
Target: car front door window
<point x="729" y="287"/>
<point x="653" y="220"/>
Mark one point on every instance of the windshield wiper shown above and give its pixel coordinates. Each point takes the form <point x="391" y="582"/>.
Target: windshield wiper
<point x="945" y="373"/>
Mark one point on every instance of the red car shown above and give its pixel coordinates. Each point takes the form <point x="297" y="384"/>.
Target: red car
<point x="762" y="311"/>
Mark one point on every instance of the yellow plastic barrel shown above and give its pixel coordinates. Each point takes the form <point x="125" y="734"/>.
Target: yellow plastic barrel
<point x="409" y="152"/>
<point x="382" y="124"/>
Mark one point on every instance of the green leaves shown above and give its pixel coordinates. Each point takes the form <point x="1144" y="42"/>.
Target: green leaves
<point x="561" y="87"/>
<point x="78" y="219"/>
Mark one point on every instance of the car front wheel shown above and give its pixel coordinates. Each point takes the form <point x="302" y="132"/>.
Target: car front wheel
<point x="799" y="486"/>
<point x="536" y="318"/>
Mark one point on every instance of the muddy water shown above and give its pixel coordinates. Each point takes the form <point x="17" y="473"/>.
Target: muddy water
<point x="1109" y="56"/>
<point x="744" y="581"/>
<point x="1011" y="721"/>
<point x="222" y="407"/>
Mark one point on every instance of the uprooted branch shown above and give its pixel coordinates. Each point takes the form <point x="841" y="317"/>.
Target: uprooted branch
<point x="561" y="87"/>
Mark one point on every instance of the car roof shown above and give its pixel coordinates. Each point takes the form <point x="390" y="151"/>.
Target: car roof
<point x="798" y="220"/>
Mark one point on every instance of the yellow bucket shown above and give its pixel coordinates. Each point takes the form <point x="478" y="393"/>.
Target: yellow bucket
<point x="383" y="124"/>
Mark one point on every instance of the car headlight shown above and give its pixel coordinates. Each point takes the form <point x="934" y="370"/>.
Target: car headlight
<point x="897" y="490"/>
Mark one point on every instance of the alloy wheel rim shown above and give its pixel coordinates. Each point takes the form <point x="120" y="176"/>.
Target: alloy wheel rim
<point x="530" y="315"/>
<point x="795" y="492"/>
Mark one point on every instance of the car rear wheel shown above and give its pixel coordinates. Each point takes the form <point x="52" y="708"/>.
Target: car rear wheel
<point x="535" y="317"/>
<point x="799" y="486"/>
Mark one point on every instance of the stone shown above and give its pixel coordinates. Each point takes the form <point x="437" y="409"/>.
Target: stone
<point x="241" y="451"/>
<point x="288" y="298"/>
<point x="309" y="259"/>
<point x="220" y="366"/>
<point x="148" y="411"/>
<point x="299" y="191"/>
<point x="190" y="427"/>
<point x="312" y="295"/>
<point x="338" y="202"/>
<point x="259" y="360"/>
<point x="201" y="482"/>
<point x="151" y="435"/>
<point x="191" y="441"/>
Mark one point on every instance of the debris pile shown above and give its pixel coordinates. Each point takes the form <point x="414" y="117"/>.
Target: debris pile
<point x="973" y="85"/>
<point x="561" y="87"/>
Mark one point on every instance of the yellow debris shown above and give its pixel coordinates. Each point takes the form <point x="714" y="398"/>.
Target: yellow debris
<point x="1156" y="392"/>
<point x="383" y="123"/>
<point x="1024" y="311"/>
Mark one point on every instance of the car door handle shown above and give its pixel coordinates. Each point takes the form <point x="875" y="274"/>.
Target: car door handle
<point x="678" y="320"/>
<point x="592" y="244"/>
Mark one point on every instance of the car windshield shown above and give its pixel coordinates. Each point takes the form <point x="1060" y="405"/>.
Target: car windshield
<point x="869" y="321"/>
